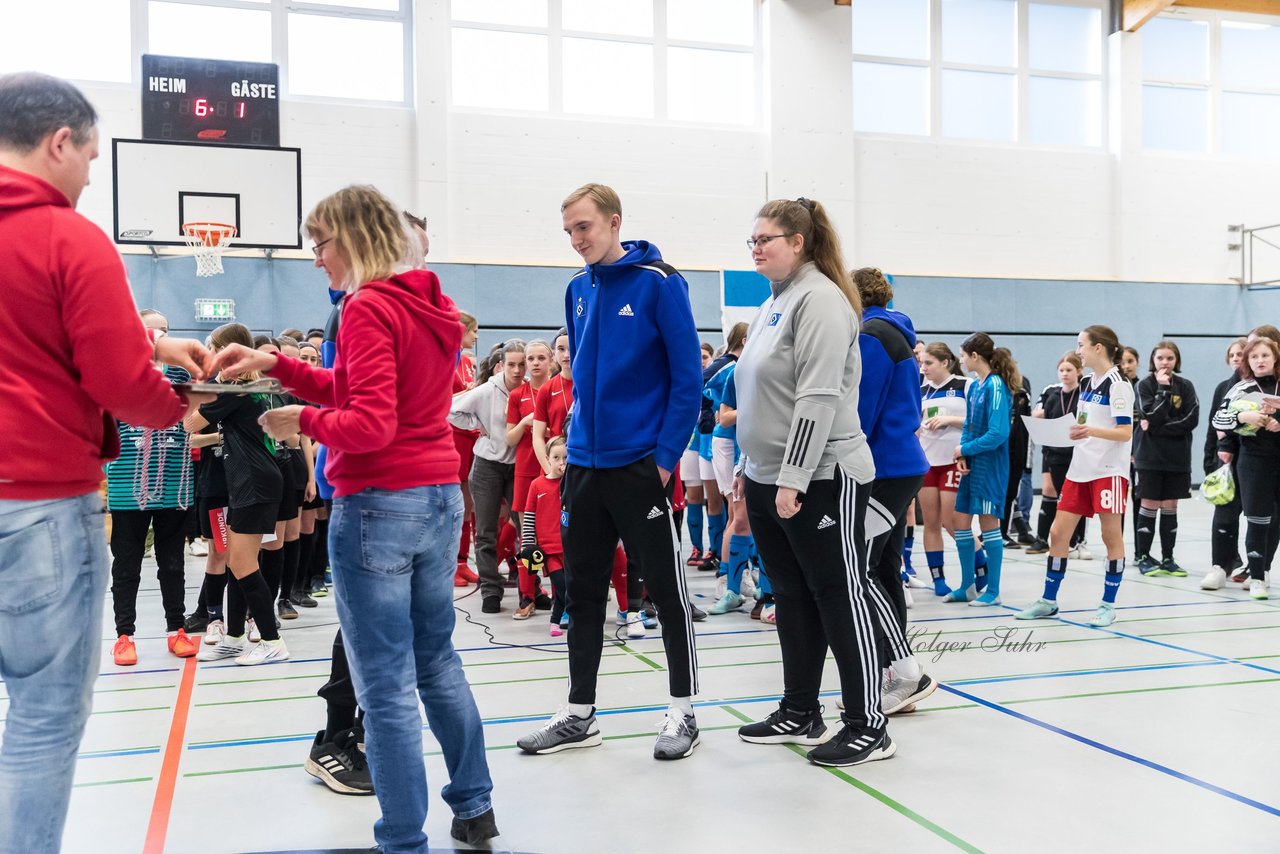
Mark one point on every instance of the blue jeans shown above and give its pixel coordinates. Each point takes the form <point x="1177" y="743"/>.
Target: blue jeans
<point x="53" y="573"/>
<point x="393" y="555"/>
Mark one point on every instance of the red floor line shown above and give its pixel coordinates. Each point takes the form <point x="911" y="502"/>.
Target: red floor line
<point x="158" y="826"/>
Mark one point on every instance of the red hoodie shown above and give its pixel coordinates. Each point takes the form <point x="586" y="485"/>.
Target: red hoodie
<point x="73" y="353"/>
<point x="389" y="390"/>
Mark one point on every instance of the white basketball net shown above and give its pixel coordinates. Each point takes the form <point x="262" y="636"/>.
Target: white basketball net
<point x="208" y="240"/>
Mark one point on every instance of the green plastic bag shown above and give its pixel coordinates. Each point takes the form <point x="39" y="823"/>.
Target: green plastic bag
<point x="1219" y="486"/>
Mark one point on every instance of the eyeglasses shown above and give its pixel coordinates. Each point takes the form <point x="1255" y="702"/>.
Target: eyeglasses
<point x="762" y="240"/>
<point x="316" y="249"/>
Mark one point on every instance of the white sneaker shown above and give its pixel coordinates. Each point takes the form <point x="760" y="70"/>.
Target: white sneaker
<point x="264" y="653"/>
<point x="722" y="585"/>
<point x="768" y="614"/>
<point x="1214" y="579"/>
<point x="228" y="647"/>
<point x="747" y="589"/>
<point x="1258" y="589"/>
<point x="198" y="548"/>
<point x="918" y="583"/>
<point x="635" y="625"/>
<point x="906" y="594"/>
<point x="216" y="632"/>
<point x="252" y="629"/>
<point x="1080" y="553"/>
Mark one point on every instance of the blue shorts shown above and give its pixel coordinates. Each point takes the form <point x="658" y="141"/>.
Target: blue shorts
<point x="704" y="445"/>
<point x="982" y="491"/>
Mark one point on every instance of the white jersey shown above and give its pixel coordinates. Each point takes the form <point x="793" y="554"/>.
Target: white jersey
<point x="946" y="399"/>
<point x="1105" y="401"/>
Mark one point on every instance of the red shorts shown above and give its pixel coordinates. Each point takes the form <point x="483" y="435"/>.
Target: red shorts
<point x="520" y="493"/>
<point x="945" y="478"/>
<point x="555" y="563"/>
<point x="1104" y="495"/>
<point x="465" y="442"/>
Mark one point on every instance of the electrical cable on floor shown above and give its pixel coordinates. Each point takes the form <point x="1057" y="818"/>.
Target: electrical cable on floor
<point x="616" y="642"/>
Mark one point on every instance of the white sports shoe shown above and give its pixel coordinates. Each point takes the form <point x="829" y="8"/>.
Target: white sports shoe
<point x="251" y="629"/>
<point x="1258" y="589"/>
<point x="265" y="653"/>
<point x="1214" y="579"/>
<point x="228" y="647"/>
<point x="198" y="548"/>
<point x="215" y="633"/>
<point x="1080" y="553"/>
<point x="906" y="594"/>
<point x="635" y="625"/>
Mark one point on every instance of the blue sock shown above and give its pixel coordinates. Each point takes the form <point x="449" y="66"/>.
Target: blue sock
<point x="739" y="560"/>
<point x="693" y="515"/>
<point x="995" y="560"/>
<point x="908" y="542"/>
<point x="766" y="589"/>
<point x="1057" y="570"/>
<point x="1111" y="581"/>
<point x="964" y="548"/>
<point x="715" y="530"/>
<point x="936" y="571"/>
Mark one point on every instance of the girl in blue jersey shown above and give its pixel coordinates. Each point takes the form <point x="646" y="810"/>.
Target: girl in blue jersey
<point x="983" y="460"/>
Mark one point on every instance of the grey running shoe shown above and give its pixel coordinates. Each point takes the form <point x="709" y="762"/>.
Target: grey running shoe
<point x="677" y="737"/>
<point x="897" y="694"/>
<point x="563" y="732"/>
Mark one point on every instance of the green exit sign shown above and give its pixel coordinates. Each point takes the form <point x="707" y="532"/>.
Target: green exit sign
<point x="216" y="310"/>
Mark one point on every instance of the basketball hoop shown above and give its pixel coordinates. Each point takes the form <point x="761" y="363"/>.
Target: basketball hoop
<point x="208" y="240"/>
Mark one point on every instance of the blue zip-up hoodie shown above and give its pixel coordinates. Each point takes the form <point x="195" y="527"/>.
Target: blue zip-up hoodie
<point x="889" y="393"/>
<point x="637" y="371"/>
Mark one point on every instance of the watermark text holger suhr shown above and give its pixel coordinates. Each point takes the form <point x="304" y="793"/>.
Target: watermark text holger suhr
<point x="1000" y="639"/>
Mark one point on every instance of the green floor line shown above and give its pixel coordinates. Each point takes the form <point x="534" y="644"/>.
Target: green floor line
<point x="256" y="700"/>
<point x="241" y="770"/>
<point x="113" y="782"/>
<point x="1155" y="690"/>
<point x="649" y="661"/>
<point x="901" y="809"/>
<point x="1208" y="631"/>
<point x="127" y="711"/>
<point x="559" y="678"/>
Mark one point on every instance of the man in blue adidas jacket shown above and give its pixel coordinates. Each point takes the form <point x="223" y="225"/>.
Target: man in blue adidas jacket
<point x="637" y="380"/>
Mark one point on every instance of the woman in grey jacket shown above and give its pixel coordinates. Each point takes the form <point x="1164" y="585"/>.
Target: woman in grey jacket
<point x="806" y="472"/>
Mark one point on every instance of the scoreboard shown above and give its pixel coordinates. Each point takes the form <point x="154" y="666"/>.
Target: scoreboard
<point x="210" y="100"/>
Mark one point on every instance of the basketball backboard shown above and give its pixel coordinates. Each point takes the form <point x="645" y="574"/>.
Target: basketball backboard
<point x="157" y="186"/>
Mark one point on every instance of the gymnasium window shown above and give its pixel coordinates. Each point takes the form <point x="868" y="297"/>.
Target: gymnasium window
<point x="998" y="70"/>
<point x="1250" y="63"/>
<point x="666" y="60"/>
<point x="213" y="32"/>
<point x="89" y="42"/>
<point x="1175" y="88"/>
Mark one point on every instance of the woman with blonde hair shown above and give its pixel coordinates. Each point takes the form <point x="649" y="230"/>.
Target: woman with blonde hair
<point x="396" y="517"/>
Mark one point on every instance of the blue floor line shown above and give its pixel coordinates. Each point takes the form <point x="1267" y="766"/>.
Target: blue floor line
<point x="117" y="753"/>
<point x="989" y="615"/>
<point x="1099" y="672"/>
<point x="1155" y="766"/>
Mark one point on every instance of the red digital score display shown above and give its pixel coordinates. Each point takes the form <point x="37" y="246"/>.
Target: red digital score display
<point x="210" y="100"/>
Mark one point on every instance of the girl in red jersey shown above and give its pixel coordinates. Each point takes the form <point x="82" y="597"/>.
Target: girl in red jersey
<point x="555" y="399"/>
<point x="541" y="530"/>
<point x="520" y="405"/>
<point x="464" y="379"/>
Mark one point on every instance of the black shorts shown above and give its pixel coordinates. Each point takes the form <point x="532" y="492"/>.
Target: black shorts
<point x="1164" y="485"/>
<point x="315" y="503"/>
<point x="253" y="519"/>
<point x="290" y="496"/>
<point x="203" y="507"/>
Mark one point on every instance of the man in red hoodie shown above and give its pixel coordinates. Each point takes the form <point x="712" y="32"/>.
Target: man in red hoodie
<point x="73" y="358"/>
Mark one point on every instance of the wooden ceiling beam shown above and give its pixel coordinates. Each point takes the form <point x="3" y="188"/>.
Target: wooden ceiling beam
<point x="1138" y="12"/>
<point x="1252" y="7"/>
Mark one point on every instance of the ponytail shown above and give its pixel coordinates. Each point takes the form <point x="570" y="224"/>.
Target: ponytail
<point x="1106" y="336"/>
<point x="1005" y="366"/>
<point x="809" y="219"/>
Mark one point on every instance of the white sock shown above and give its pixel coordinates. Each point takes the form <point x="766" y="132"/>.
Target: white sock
<point x="907" y="668"/>
<point x="580" y="710"/>
<point x="683" y="704"/>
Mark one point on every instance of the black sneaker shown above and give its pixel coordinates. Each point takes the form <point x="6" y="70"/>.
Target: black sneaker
<point x="696" y="613"/>
<point x="787" y="726"/>
<point x="1147" y="565"/>
<point x="286" y="610"/>
<point x="650" y="609"/>
<point x="853" y="745"/>
<point x="197" y="623"/>
<point x="300" y="598"/>
<point x="709" y="563"/>
<point x="1038" y="547"/>
<point x="492" y="604"/>
<point x="1011" y="543"/>
<point x="340" y="764"/>
<point x="542" y="602"/>
<point x="476" y="829"/>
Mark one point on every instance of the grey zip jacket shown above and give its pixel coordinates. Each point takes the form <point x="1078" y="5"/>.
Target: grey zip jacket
<point x="797" y="383"/>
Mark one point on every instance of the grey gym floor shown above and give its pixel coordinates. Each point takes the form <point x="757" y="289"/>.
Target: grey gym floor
<point x="1151" y="735"/>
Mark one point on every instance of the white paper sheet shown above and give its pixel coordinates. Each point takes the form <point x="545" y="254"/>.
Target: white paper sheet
<point x="1052" y="432"/>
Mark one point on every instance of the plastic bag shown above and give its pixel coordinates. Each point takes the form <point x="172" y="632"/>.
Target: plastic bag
<point x="1219" y="486"/>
